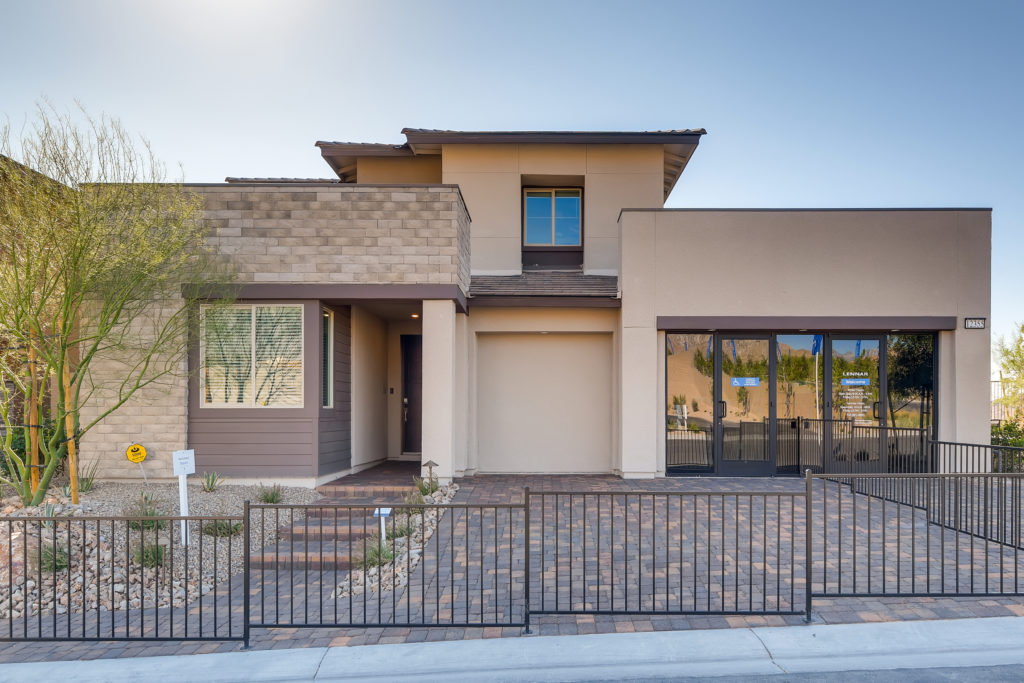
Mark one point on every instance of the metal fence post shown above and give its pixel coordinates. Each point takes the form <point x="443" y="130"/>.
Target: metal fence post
<point x="245" y="575"/>
<point x="526" y="586"/>
<point x="809" y="562"/>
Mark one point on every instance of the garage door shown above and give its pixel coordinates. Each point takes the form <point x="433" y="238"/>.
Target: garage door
<point x="544" y="402"/>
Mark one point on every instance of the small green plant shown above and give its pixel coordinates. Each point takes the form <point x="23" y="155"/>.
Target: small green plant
<point x="222" y="527"/>
<point x="87" y="479"/>
<point x="270" y="495"/>
<point x="149" y="555"/>
<point x="377" y="554"/>
<point x="145" y="506"/>
<point x="401" y="528"/>
<point x="693" y="427"/>
<point x="54" y="559"/>
<point x="693" y="405"/>
<point x="66" y="490"/>
<point x="426" y="486"/>
<point x="49" y="511"/>
<point x="211" y="481"/>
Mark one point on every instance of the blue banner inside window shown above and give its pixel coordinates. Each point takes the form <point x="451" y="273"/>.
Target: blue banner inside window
<point x="746" y="381"/>
<point x="856" y="382"/>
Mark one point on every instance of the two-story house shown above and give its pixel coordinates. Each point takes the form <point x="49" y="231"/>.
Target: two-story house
<point x="522" y="302"/>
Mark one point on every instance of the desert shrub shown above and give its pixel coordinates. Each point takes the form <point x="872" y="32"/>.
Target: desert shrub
<point x="426" y="486"/>
<point x="54" y="558"/>
<point x="149" y="555"/>
<point x="270" y="495"/>
<point x="211" y="481"/>
<point x="377" y="554"/>
<point x="222" y="527"/>
<point x="145" y="507"/>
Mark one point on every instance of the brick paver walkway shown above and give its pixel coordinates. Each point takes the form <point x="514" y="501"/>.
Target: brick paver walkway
<point x="744" y="565"/>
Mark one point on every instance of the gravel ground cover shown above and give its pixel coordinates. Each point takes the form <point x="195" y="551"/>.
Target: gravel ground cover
<point x="77" y="562"/>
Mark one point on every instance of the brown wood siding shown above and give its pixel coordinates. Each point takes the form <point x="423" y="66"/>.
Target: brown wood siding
<point x="335" y="424"/>
<point x="261" y="442"/>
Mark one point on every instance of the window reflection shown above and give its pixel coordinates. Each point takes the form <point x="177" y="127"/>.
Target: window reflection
<point x="911" y="359"/>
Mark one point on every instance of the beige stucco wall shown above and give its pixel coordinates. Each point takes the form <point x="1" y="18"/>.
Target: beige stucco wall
<point x="386" y="170"/>
<point x="491" y="180"/>
<point x="809" y="263"/>
<point x="369" y="387"/>
<point x="564" y="325"/>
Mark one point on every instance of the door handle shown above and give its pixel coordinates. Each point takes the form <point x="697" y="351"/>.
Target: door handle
<point x="722" y="408"/>
<point x="874" y="410"/>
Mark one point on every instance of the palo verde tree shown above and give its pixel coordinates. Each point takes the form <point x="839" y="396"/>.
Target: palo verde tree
<point x="101" y="261"/>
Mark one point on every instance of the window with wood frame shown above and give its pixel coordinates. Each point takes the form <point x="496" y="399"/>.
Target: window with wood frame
<point x="552" y="217"/>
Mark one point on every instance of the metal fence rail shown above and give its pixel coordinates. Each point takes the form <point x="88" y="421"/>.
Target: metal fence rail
<point x="453" y="565"/>
<point x="667" y="553"/>
<point x="961" y="535"/>
<point x="121" y="578"/>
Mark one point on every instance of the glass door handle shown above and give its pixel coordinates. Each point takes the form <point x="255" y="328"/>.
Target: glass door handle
<point x="874" y="410"/>
<point x="722" y="407"/>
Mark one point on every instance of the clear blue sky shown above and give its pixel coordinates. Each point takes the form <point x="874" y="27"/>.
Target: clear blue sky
<point x="811" y="104"/>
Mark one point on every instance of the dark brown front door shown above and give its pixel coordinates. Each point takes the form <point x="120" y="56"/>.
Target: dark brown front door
<point x="412" y="392"/>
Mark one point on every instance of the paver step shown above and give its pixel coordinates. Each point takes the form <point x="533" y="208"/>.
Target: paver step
<point x="288" y="560"/>
<point x="345" y="492"/>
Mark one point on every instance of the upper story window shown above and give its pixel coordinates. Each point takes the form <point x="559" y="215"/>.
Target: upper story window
<point x="251" y="356"/>
<point x="552" y="217"/>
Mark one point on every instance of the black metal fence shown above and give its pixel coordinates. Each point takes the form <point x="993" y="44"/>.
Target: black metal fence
<point x="425" y="564"/>
<point x="927" y="535"/>
<point x="852" y="534"/>
<point x="667" y="553"/>
<point x="122" y="578"/>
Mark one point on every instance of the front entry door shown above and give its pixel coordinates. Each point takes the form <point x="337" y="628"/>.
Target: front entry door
<point x="855" y="404"/>
<point x="412" y="392"/>
<point x="743" y="415"/>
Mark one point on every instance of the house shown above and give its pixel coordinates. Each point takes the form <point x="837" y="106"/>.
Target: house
<point x="522" y="302"/>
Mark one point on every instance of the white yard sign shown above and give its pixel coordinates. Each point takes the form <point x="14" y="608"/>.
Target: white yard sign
<point x="184" y="465"/>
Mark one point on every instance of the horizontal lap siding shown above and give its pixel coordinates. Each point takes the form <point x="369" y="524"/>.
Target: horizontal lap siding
<point x="252" y="446"/>
<point x="335" y="427"/>
<point x="261" y="442"/>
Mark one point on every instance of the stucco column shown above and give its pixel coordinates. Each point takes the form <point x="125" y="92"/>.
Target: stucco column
<point x="439" y="384"/>
<point x="639" y="380"/>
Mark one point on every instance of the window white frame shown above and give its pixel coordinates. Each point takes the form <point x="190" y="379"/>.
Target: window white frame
<point x="252" y="331"/>
<point x="552" y="191"/>
<point x="327" y="363"/>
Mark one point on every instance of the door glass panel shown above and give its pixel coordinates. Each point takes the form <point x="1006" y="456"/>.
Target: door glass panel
<point x="744" y="415"/>
<point x="855" y="396"/>
<point x="909" y="368"/>
<point x="689" y="365"/>
<point x="799" y="379"/>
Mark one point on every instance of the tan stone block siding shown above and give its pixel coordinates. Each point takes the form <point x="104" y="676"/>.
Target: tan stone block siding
<point x="324" y="233"/>
<point x="156" y="416"/>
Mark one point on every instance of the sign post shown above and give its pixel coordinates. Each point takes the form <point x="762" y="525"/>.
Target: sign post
<point x="184" y="465"/>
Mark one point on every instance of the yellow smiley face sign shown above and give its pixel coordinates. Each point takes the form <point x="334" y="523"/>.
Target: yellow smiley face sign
<point x="136" y="452"/>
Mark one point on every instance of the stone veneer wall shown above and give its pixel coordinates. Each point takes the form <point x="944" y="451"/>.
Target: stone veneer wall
<point x="289" y="233"/>
<point x="339" y="233"/>
<point x="156" y="416"/>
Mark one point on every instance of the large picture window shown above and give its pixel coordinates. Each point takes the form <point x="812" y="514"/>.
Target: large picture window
<point x="553" y="218"/>
<point x="251" y="356"/>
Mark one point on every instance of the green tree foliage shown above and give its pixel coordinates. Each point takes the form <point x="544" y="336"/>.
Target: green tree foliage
<point x="93" y="242"/>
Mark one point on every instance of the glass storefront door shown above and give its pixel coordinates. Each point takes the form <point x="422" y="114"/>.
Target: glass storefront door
<point x="855" y="404"/>
<point x="743" y="416"/>
<point x="780" y="403"/>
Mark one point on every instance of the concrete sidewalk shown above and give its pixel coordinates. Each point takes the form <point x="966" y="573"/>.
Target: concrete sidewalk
<point x="669" y="654"/>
